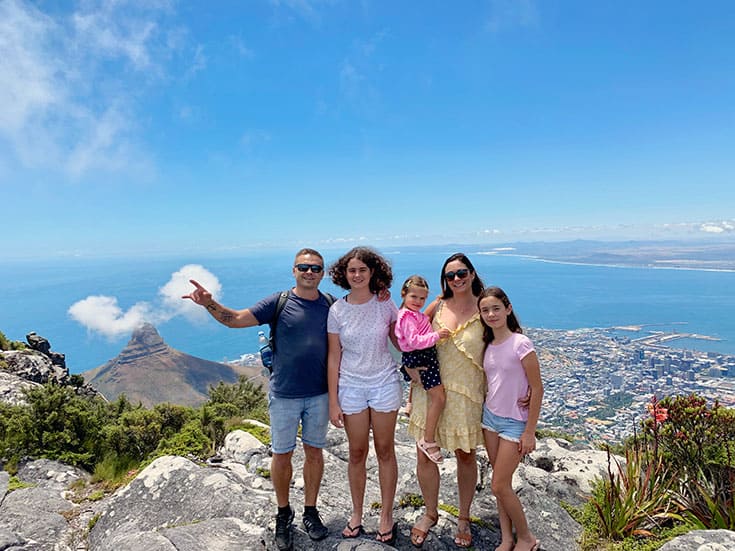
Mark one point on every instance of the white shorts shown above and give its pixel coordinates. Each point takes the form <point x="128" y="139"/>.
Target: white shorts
<point x="383" y="399"/>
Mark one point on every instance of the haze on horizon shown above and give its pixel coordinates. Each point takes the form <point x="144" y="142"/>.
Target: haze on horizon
<point x="142" y="127"/>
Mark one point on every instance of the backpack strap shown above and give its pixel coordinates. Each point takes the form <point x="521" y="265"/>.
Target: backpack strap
<point x="281" y="304"/>
<point x="329" y="298"/>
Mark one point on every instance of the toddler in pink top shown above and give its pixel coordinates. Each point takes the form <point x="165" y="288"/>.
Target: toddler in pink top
<point x="512" y="406"/>
<point x="416" y="339"/>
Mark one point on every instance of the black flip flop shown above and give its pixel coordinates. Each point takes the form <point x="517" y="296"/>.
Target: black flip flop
<point x="360" y="531"/>
<point x="393" y="532"/>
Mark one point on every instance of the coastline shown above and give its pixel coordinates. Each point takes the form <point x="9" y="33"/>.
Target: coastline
<point x="536" y="258"/>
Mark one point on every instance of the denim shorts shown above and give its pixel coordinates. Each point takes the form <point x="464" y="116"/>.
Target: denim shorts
<point x="506" y="427"/>
<point x="286" y="413"/>
<point x="383" y="399"/>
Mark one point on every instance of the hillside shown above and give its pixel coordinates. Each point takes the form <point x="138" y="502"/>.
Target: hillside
<point x="150" y="371"/>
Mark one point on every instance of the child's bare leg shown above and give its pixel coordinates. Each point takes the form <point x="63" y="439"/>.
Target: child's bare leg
<point x="436" y="401"/>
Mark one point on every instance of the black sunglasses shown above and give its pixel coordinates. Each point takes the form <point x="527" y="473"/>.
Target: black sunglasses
<point x="315" y="268"/>
<point x="460" y="274"/>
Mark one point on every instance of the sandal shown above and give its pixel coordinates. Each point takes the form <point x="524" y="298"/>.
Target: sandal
<point x="393" y="533"/>
<point x="417" y="533"/>
<point x="435" y="456"/>
<point x="355" y="531"/>
<point x="463" y="539"/>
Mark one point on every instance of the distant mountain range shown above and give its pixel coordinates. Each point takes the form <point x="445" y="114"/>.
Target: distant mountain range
<point x="698" y="255"/>
<point x="149" y="371"/>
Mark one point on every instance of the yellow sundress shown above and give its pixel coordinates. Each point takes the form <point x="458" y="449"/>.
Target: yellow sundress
<point x="460" y="365"/>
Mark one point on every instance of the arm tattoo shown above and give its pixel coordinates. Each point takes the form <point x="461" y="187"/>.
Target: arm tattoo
<point x="226" y="317"/>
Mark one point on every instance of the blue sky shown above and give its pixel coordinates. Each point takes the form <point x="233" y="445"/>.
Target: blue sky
<point x="155" y="126"/>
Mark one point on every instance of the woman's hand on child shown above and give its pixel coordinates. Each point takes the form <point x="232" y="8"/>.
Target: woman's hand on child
<point x="526" y="400"/>
<point x="413" y="372"/>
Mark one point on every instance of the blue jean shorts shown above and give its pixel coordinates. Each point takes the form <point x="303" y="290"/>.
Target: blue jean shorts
<point x="506" y="427"/>
<point x="286" y="413"/>
<point x="383" y="399"/>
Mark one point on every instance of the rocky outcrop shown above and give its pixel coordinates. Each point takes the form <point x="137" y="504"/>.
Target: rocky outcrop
<point x="33" y="366"/>
<point x="12" y="388"/>
<point x="149" y="371"/>
<point x="176" y="504"/>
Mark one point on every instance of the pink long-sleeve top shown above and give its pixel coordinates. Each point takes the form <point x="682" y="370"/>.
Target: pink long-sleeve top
<point x="413" y="331"/>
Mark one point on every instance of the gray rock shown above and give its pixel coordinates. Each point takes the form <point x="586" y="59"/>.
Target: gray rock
<point x="565" y="473"/>
<point x="702" y="540"/>
<point x="175" y="504"/>
<point x="34" y="366"/>
<point x="12" y="388"/>
<point x="173" y="492"/>
<point x="52" y="475"/>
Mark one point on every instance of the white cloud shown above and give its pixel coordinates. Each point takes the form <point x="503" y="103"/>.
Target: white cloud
<point x="70" y="82"/>
<point x="179" y="285"/>
<point x="717" y="227"/>
<point x="102" y="314"/>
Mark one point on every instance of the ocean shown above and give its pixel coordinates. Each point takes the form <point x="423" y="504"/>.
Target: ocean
<point x="37" y="295"/>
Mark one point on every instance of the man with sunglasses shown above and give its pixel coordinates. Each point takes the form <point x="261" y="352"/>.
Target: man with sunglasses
<point x="298" y="384"/>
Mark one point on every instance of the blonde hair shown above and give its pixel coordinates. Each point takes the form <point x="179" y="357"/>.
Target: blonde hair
<point x="412" y="281"/>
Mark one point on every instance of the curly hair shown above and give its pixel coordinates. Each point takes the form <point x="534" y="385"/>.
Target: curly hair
<point x="381" y="277"/>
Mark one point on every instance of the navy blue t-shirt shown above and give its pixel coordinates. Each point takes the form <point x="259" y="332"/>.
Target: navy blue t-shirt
<point x="300" y="355"/>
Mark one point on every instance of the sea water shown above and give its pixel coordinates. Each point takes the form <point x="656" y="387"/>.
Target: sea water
<point x="36" y="296"/>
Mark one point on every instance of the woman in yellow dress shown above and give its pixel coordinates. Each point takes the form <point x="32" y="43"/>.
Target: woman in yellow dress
<point x="460" y="364"/>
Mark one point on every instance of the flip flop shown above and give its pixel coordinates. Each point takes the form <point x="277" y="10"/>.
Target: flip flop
<point x="356" y="531"/>
<point x="434" y="457"/>
<point x="393" y="533"/>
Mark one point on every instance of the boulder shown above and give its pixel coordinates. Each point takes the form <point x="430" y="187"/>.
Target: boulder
<point x="702" y="540"/>
<point x="12" y="387"/>
<point x="34" y="366"/>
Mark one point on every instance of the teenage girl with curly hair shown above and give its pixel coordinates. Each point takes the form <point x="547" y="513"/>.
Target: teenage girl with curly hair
<point x="364" y="384"/>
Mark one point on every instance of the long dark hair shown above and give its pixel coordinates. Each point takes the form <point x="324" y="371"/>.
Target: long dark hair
<point x="513" y="324"/>
<point x="382" y="275"/>
<point x="477" y="284"/>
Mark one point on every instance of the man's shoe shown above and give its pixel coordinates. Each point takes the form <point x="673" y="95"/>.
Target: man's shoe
<point x="314" y="526"/>
<point x="284" y="537"/>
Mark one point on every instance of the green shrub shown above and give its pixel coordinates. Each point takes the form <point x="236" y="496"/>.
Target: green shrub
<point x="261" y="433"/>
<point x="190" y="440"/>
<point x="678" y="475"/>
<point x="634" y="498"/>
<point x="244" y="399"/>
<point x="7" y="344"/>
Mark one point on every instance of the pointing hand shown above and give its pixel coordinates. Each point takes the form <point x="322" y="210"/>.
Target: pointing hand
<point x="199" y="295"/>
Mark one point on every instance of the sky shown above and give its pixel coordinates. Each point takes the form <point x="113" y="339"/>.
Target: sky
<point x="157" y="127"/>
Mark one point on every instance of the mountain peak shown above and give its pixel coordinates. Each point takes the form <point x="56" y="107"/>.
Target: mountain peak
<point x="150" y="371"/>
<point x="144" y="342"/>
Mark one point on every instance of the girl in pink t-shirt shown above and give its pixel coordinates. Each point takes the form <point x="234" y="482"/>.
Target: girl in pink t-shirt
<point x="512" y="406"/>
<point x="416" y="339"/>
